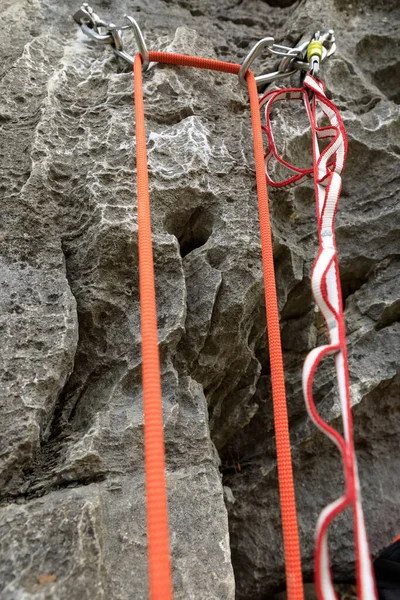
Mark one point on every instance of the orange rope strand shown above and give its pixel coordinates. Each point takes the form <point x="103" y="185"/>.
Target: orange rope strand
<point x="160" y="584"/>
<point x="294" y="582"/>
<point x="159" y="562"/>
<point x="193" y="61"/>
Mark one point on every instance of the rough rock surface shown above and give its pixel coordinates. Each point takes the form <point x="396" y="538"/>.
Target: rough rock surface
<point x="71" y="455"/>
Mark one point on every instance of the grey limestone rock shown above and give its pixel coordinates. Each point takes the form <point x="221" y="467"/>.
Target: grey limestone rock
<point x="72" y="513"/>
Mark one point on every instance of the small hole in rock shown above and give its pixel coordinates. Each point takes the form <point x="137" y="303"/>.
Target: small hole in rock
<point x="196" y="232"/>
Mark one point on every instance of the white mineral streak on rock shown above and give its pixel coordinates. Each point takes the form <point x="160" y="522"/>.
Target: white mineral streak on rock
<point x="185" y="149"/>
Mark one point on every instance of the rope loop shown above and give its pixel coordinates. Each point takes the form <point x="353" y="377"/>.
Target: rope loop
<point x="157" y="517"/>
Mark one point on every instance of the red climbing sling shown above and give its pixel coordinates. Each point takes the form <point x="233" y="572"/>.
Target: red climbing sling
<point x="157" y="520"/>
<point x="325" y="282"/>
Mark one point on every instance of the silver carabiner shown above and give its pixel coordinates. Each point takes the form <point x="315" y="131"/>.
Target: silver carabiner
<point x="294" y="59"/>
<point x="252" y="55"/>
<point x="298" y="65"/>
<point x="289" y="58"/>
<point x="108" y="33"/>
<point x="103" y="38"/>
<point x="140" y="43"/>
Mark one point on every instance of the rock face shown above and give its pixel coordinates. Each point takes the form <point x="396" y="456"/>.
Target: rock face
<point x="72" y="515"/>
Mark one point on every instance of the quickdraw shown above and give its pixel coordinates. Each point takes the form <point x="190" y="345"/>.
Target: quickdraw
<point x="328" y="166"/>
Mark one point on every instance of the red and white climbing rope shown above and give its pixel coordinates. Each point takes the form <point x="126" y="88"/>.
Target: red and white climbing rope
<point x="325" y="282"/>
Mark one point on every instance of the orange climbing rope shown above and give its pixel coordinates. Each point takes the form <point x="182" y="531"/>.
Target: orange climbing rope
<point x="157" y="516"/>
<point x="160" y="584"/>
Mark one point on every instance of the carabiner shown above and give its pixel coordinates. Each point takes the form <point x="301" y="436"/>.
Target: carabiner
<point x="289" y="58"/>
<point x="108" y="33"/>
<point x="254" y="52"/>
<point x="140" y="43"/>
<point x="305" y="57"/>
